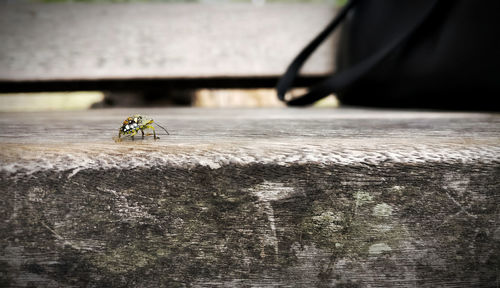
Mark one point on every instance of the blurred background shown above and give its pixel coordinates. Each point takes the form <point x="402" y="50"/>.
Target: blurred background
<point x="91" y="54"/>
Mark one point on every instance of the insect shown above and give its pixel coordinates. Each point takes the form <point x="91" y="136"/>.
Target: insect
<point x="133" y="124"/>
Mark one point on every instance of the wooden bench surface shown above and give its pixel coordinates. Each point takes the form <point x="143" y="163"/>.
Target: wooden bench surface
<point x="251" y="197"/>
<point x="83" y="41"/>
<point x="229" y="136"/>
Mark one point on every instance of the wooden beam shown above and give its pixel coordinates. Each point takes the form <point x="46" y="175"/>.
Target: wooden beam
<point x="56" y="42"/>
<point x="245" y="197"/>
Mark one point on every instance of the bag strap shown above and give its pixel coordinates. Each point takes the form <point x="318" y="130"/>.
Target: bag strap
<point x="346" y="77"/>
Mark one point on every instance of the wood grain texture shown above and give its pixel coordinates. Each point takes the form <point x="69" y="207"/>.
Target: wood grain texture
<point x="270" y="197"/>
<point x="159" y="41"/>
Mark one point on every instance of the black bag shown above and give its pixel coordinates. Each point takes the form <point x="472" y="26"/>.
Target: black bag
<point x="411" y="54"/>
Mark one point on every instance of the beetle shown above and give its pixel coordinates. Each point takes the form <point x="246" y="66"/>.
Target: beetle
<point x="133" y="124"/>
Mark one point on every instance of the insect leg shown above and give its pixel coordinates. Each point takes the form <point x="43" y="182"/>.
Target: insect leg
<point x="133" y="133"/>
<point x="152" y="128"/>
<point x="142" y="134"/>
<point x="119" y="139"/>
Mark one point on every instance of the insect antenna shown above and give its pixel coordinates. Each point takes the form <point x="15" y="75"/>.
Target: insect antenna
<point x="162" y="128"/>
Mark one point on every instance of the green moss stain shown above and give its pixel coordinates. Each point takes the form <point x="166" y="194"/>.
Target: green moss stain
<point x="124" y="259"/>
<point x="326" y="228"/>
<point x="352" y="229"/>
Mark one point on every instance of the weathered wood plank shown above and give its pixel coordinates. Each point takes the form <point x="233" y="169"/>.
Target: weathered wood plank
<point x="291" y="197"/>
<point x="159" y="41"/>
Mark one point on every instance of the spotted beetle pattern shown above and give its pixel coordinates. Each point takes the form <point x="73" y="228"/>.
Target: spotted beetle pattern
<point x="132" y="124"/>
<point x="137" y="123"/>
